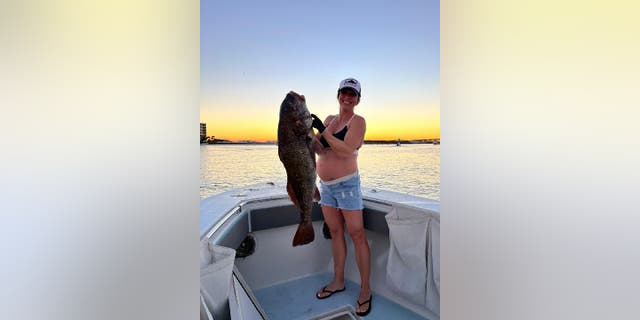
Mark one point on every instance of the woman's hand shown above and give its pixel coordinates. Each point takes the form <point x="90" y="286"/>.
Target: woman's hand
<point x="317" y="123"/>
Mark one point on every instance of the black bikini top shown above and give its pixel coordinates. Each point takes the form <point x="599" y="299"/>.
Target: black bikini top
<point x="340" y="134"/>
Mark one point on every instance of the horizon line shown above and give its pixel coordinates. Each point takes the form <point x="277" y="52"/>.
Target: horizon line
<point x="366" y="140"/>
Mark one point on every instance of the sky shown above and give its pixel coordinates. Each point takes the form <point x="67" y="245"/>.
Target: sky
<point x="252" y="53"/>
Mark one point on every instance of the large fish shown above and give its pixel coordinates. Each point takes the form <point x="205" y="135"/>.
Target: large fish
<point x="295" y="138"/>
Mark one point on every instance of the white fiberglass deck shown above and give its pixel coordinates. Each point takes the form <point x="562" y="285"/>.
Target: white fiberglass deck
<point x="295" y="300"/>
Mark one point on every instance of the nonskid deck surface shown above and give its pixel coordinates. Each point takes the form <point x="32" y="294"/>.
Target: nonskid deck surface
<point x="295" y="300"/>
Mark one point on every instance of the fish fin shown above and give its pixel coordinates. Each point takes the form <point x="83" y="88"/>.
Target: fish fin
<point x="316" y="194"/>
<point x="304" y="234"/>
<point x="310" y="143"/>
<point x="292" y="195"/>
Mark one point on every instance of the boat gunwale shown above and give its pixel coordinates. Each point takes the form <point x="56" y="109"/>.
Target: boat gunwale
<point x="368" y="196"/>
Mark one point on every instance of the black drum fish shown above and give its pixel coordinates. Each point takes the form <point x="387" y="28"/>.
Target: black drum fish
<point x="295" y="138"/>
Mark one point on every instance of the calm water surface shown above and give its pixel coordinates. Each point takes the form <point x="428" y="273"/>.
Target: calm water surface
<point x="412" y="169"/>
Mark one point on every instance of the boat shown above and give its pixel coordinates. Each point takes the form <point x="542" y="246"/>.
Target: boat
<point x="250" y="270"/>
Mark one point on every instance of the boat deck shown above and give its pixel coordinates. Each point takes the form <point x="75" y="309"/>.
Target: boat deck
<point x="296" y="299"/>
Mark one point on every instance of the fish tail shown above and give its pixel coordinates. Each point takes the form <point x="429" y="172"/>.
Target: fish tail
<point x="304" y="234"/>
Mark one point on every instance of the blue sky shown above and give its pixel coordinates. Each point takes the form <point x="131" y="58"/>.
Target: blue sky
<point x="254" y="52"/>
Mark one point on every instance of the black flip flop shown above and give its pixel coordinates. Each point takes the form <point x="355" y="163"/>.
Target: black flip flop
<point x="364" y="313"/>
<point x="330" y="293"/>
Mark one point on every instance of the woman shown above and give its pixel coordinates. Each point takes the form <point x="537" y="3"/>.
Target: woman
<point x="337" y="145"/>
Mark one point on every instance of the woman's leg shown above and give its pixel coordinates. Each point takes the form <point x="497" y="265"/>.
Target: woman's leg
<point x="335" y="222"/>
<point x="355" y="227"/>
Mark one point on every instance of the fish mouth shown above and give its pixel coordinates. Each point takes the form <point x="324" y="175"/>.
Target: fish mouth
<point x="308" y="121"/>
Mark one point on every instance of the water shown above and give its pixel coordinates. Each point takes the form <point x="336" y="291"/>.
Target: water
<point x="412" y="169"/>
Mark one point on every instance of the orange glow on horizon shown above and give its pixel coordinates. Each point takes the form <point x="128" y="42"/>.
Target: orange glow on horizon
<point x="260" y="124"/>
<point x="261" y="132"/>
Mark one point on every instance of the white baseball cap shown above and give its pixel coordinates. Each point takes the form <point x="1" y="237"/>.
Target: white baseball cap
<point x="350" y="83"/>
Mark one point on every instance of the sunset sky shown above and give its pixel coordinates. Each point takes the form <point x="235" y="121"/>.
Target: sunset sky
<point x="253" y="53"/>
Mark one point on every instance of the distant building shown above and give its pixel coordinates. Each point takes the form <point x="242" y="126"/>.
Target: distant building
<point x="203" y="132"/>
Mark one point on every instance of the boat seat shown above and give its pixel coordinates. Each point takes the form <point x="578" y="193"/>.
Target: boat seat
<point x="281" y="216"/>
<point x="275" y="217"/>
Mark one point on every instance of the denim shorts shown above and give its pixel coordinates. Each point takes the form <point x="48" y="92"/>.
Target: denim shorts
<point x="342" y="193"/>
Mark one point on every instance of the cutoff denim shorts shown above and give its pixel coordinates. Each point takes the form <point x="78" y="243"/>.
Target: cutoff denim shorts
<point x="343" y="193"/>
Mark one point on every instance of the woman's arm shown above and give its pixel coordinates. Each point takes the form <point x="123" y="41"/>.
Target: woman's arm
<point x="316" y="145"/>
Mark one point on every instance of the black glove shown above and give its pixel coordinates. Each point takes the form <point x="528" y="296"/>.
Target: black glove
<point x="317" y="123"/>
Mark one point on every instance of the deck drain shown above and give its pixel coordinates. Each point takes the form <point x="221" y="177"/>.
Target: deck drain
<point x="343" y="313"/>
